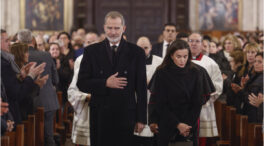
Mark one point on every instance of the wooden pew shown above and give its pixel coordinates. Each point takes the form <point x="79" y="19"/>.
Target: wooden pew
<point x="255" y="135"/>
<point x="59" y="127"/>
<point x="39" y="126"/>
<point x="231" y="124"/>
<point x="259" y="135"/>
<point x="12" y="137"/>
<point x="59" y="111"/>
<point x="223" y="122"/>
<point x="19" y="135"/>
<point x="16" y="138"/>
<point x="241" y="130"/>
<point x="67" y="119"/>
<point x="228" y="129"/>
<point x="5" y="141"/>
<point x="30" y="133"/>
<point x="218" y="105"/>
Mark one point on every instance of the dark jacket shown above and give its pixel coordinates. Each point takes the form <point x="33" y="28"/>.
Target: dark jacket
<point x="47" y="97"/>
<point x="223" y="63"/>
<point x="177" y="97"/>
<point x="17" y="91"/>
<point x="6" y="116"/>
<point x="157" y="49"/>
<point x="231" y="96"/>
<point x="254" y="85"/>
<point x="114" y="110"/>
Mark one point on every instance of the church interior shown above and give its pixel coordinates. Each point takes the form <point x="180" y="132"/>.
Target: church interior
<point x="41" y="104"/>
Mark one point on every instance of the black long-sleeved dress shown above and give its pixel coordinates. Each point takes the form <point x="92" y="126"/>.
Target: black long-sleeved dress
<point x="177" y="97"/>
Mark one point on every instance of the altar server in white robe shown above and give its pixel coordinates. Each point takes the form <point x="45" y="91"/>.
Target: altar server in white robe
<point x="208" y="127"/>
<point x="79" y="100"/>
<point x="145" y="138"/>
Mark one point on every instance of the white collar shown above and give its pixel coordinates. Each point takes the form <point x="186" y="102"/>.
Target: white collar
<point x="165" y="43"/>
<point x="227" y="55"/>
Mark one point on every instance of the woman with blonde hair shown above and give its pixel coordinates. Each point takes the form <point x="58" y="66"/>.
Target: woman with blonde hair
<point x="229" y="43"/>
<point x="251" y="50"/>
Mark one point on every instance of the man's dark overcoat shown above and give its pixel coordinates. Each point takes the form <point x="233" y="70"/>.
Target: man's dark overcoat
<point x="114" y="112"/>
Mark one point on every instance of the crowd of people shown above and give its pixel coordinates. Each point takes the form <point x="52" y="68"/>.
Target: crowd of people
<point x="131" y="94"/>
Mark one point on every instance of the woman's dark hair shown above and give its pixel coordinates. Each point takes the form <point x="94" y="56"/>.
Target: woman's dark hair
<point x="238" y="56"/>
<point x="19" y="50"/>
<point x="260" y="54"/>
<point x="66" y="33"/>
<point x="69" y="37"/>
<point x="176" y="45"/>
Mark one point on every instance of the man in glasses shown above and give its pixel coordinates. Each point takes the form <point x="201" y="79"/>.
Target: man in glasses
<point x="207" y="115"/>
<point x="169" y="35"/>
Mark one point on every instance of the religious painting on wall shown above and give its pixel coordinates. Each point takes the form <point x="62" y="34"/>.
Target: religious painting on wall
<point x="43" y="14"/>
<point x="219" y="14"/>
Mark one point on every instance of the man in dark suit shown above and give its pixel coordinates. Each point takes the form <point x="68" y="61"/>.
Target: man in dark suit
<point x="114" y="72"/>
<point x="47" y="97"/>
<point x="17" y="90"/>
<point x="169" y="35"/>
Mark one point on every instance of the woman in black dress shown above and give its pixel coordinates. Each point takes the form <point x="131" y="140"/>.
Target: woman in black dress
<point x="66" y="64"/>
<point x="177" y="96"/>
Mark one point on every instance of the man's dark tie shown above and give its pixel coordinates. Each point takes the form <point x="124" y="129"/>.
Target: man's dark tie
<point x="114" y="52"/>
<point x="167" y="46"/>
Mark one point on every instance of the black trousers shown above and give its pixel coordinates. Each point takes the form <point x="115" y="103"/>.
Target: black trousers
<point x="144" y="141"/>
<point x="48" y="128"/>
<point x="110" y="128"/>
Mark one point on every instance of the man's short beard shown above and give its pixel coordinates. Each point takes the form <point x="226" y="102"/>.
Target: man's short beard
<point x="114" y="40"/>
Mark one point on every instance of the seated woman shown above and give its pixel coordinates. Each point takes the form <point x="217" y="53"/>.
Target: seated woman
<point x="177" y="96"/>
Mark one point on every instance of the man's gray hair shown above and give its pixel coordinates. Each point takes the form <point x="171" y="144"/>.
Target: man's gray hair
<point x="24" y="36"/>
<point x="113" y="15"/>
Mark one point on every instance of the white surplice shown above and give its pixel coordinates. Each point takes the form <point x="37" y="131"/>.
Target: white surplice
<point x="81" y="125"/>
<point x="208" y="127"/>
